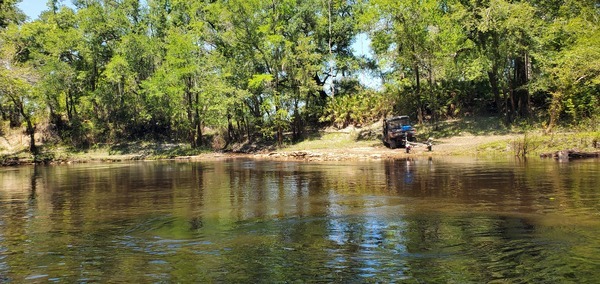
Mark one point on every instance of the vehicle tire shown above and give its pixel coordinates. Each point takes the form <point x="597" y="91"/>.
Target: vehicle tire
<point x="392" y="144"/>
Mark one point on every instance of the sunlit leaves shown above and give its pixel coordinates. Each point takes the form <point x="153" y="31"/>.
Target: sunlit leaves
<point x="162" y="68"/>
<point x="259" y="80"/>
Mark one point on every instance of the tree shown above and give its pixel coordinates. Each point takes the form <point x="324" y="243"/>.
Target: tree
<point x="407" y="39"/>
<point x="10" y="14"/>
<point x="570" y="60"/>
<point x="112" y="71"/>
<point x="503" y="34"/>
<point x="16" y="88"/>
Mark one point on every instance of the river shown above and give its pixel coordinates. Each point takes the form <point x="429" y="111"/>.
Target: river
<point x="441" y="220"/>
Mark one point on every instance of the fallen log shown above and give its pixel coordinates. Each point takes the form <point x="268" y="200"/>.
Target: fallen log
<point x="570" y="154"/>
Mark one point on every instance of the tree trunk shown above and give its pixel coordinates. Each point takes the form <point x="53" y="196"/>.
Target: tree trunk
<point x="432" y="97"/>
<point x="279" y="129"/>
<point x="418" y="94"/>
<point x="521" y="95"/>
<point x="297" y="123"/>
<point x="190" y="130"/>
<point x="493" y="74"/>
<point x="199" y="134"/>
<point x="229" y="137"/>
<point x="31" y="132"/>
<point x="30" y="126"/>
<point x="247" y="123"/>
<point x="70" y="104"/>
<point x="198" y="122"/>
<point x="493" y="77"/>
<point x="418" y="90"/>
<point x="278" y="104"/>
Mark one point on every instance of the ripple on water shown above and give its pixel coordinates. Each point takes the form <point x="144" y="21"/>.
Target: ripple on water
<point x="244" y="221"/>
<point x="36" y="277"/>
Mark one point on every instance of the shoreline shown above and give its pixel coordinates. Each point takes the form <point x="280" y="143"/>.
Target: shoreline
<point x="330" y="146"/>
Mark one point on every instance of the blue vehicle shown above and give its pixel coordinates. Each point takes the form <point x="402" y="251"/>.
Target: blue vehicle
<point x="397" y="132"/>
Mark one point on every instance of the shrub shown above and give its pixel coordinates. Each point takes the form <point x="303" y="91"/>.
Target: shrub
<point x="357" y="109"/>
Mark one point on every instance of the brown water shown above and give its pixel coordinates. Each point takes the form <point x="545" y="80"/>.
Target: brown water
<point x="420" y="221"/>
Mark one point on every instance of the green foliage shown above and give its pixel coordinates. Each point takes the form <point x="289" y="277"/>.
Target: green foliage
<point x="174" y="70"/>
<point x="16" y="91"/>
<point x="9" y="13"/>
<point x="526" y="145"/>
<point x="359" y="109"/>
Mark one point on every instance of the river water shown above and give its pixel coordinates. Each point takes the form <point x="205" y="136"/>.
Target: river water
<point x="237" y="221"/>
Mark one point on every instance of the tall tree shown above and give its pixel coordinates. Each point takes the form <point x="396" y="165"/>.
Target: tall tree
<point x="16" y="88"/>
<point x="569" y="60"/>
<point x="406" y="41"/>
<point x="503" y="35"/>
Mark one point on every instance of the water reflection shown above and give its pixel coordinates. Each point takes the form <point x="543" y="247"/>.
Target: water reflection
<point x="248" y="220"/>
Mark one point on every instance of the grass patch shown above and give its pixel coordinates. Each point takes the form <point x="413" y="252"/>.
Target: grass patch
<point x="536" y="143"/>
<point x="332" y="140"/>
<point x="495" y="148"/>
<point x="526" y="144"/>
<point x="149" y="150"/>
<point x="583" y="141"/>
<point x="468" y="125"/>
<point x="131" y="151"/>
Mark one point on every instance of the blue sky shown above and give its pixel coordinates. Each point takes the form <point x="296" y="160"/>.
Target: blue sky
<point x="32" y="8"/>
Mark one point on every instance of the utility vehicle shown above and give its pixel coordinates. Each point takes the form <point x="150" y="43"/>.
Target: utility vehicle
<point x="397" y="131"/>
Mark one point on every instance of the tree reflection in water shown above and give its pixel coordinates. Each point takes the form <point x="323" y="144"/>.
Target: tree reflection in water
<point x="446" y="220"/>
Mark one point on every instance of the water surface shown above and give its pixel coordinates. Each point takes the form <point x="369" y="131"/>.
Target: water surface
<point x="416" y="221"/>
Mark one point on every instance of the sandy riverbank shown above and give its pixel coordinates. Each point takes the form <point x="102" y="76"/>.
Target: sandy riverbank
<point x="326" y="145"/>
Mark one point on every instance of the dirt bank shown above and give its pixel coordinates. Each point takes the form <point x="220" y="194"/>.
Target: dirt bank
<point x="453" y="139"/>
<point x="337" y="146"/>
